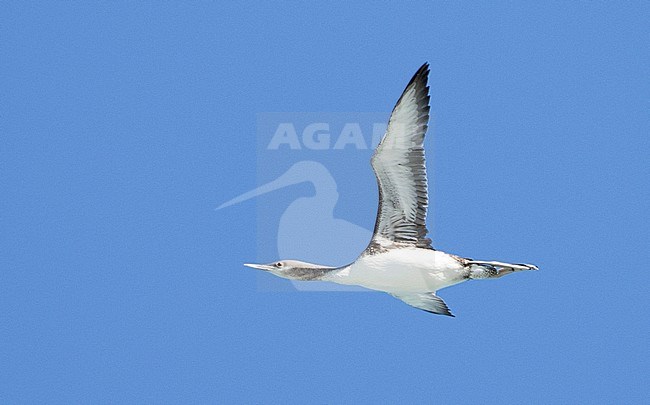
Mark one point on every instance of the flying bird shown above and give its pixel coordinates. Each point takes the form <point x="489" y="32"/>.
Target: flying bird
<point x="399" y="259"/>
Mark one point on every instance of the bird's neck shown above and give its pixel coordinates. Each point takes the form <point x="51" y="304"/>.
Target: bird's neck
<point x="314" y="273"/>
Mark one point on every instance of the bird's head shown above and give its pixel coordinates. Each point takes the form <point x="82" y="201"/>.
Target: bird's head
<point x="293" y="269"/>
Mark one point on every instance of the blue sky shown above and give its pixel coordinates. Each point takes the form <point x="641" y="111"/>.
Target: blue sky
<point x="125" y="124"/>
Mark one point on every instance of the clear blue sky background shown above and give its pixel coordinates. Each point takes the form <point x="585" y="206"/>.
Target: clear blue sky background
<point x="123" y="125"/>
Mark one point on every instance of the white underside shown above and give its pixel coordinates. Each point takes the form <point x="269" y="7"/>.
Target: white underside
<point x="402" y="270"/>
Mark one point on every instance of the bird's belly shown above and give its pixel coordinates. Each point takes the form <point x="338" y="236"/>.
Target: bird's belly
<point x="405" y="270"/>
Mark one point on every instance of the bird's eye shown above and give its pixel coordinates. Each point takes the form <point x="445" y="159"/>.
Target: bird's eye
<point x="279" y="264"/>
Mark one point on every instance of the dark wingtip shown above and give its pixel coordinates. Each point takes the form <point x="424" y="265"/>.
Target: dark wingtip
<point x="447" y="313"/>
<point x="419" y="80"/>
<point x="421" y="75"/>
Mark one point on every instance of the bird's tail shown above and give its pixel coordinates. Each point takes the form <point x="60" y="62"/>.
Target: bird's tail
<point x="514" y="266"/>
<point x="492" y="269"/>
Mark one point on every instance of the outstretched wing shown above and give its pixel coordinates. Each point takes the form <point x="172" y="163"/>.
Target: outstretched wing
<point x="427" y="301"/>
<point x="399" y="166"/>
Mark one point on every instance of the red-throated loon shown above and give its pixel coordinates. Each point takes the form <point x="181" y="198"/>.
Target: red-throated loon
<point x="400" y="259"/>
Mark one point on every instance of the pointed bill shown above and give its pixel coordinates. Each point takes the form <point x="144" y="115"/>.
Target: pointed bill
<point x="258" y="266"/>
